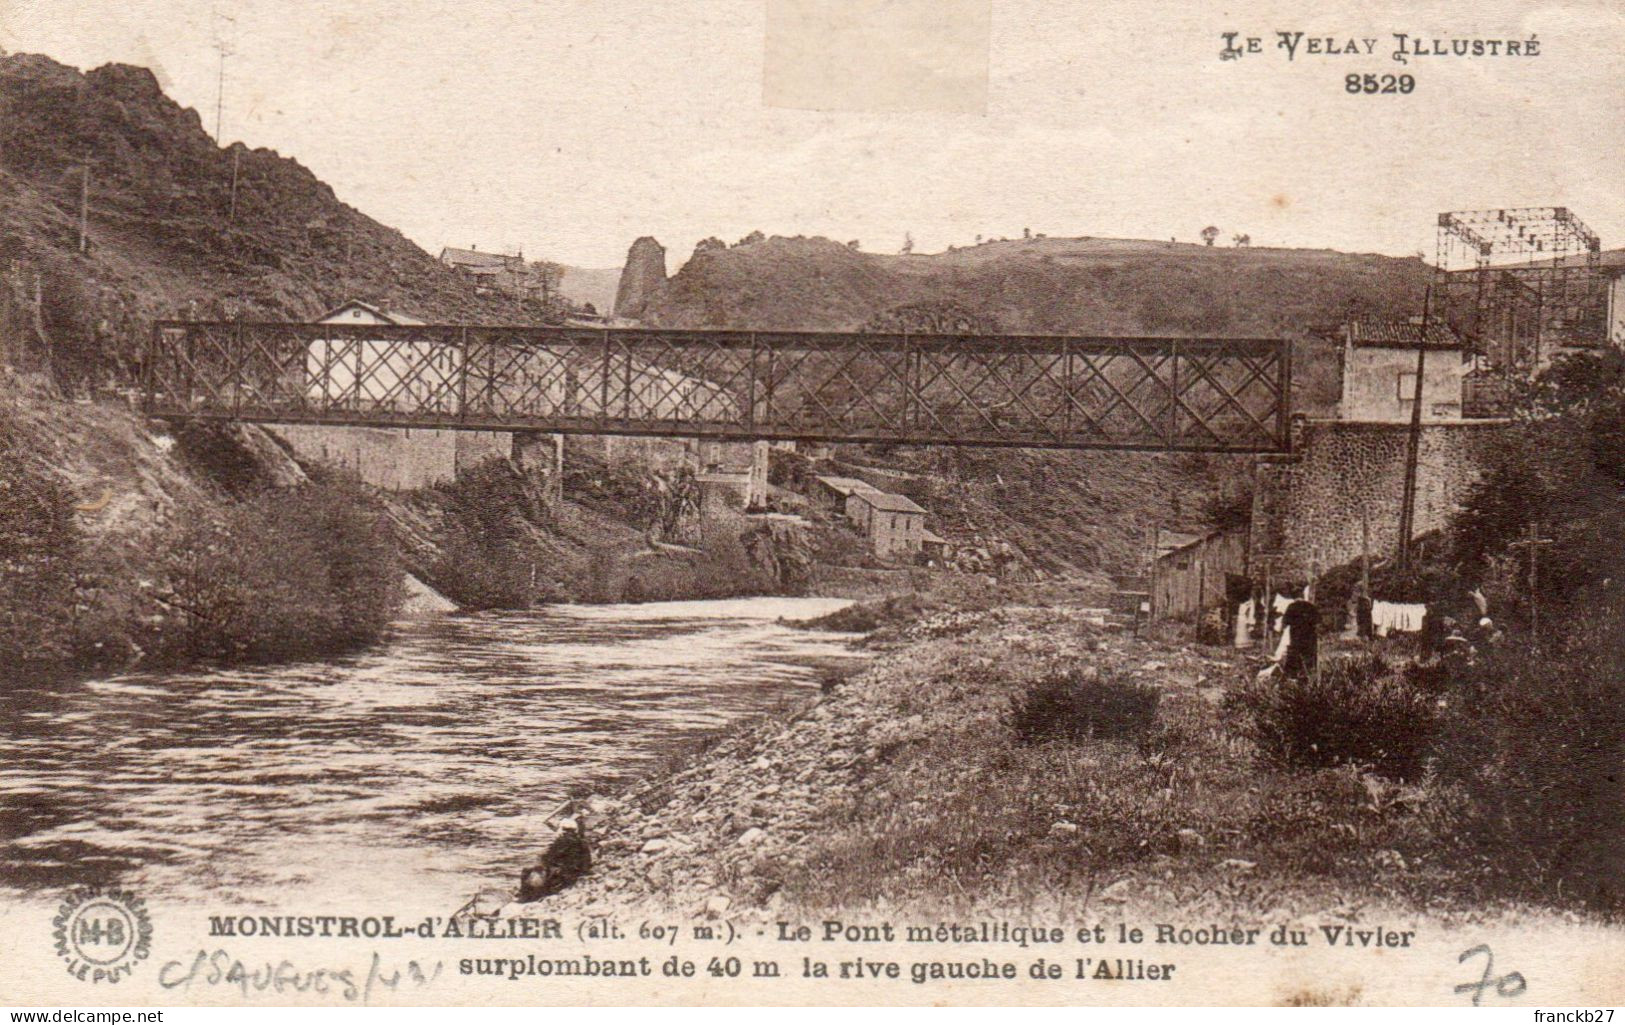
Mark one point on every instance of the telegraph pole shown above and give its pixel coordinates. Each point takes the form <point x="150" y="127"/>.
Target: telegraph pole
<point x="84" y="205"/>
<point x="223" y="45"/>
<point x="236" y="154"/>
<point x="1407" y="504"/>
<point x="1533" y="542"/>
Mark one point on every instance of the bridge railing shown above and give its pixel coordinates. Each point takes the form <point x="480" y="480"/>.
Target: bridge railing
<point x="1208" y="394"/>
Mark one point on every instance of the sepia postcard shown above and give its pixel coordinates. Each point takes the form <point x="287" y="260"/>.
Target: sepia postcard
<point x="812" y="502"/>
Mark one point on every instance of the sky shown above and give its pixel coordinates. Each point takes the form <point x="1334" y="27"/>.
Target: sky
<point x="569" y="128"/>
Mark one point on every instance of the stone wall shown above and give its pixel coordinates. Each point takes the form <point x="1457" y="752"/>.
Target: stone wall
<point x="1307" y="507"/>
<point x="661" y="453"/>
<point x="398" y="459"/>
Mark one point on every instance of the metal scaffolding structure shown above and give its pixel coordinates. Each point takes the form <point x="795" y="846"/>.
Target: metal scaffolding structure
<point x="1193" y="394"/>
<point x="1520" y="284"/>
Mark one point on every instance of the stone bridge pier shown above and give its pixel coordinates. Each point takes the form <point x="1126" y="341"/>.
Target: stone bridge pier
<point x="1344" y="482"/>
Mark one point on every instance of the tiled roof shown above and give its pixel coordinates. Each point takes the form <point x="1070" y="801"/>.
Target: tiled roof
<point x="1172" y="541"/>
<point x="888" y="502"/>
<point x="846" y="485"/>
<point x="387" y="316"/>
<point x="473" y="258"/>
<point x="1402" y="333"/>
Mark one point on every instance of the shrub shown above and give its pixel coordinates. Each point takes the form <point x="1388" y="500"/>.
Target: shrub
<point x="285" y="574"/>
<point x="39" y="548"/>
<point x="1071" y="703"/>
<point x="487" y="559"/>
<point x="1538" y="742"/>
<point x="1358" y="711"/>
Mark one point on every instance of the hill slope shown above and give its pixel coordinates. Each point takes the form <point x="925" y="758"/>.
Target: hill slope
<point x="1051" y="285"/>
<point x="167" y="236"/>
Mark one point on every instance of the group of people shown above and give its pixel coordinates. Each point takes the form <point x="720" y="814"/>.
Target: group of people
<point x="1298" y="651"/>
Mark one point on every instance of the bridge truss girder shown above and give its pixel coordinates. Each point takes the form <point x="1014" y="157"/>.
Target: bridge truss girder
<point x="1152" y="393"/>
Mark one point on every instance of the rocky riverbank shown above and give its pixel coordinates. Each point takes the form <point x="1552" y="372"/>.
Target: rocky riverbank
<point x="1020" y="759"/>
<point x="813" y="806"/>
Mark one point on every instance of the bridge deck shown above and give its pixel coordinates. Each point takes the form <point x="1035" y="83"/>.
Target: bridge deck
<point x="1195" y="394"/>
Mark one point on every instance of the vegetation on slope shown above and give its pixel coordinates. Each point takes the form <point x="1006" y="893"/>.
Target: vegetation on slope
<point x="1053" y="286"/>
<point x="169" y="233"/>
<point x="112" y="555"/>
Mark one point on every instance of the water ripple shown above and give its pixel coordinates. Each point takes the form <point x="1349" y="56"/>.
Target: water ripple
<point x="423" y="766"/>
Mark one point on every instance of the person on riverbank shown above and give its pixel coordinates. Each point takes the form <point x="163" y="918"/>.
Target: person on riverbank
<point x="567" y="859"/>
<point x="1299" y="650"/>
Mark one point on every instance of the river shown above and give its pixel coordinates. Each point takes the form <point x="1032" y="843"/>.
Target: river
<point x="425" y="766"/>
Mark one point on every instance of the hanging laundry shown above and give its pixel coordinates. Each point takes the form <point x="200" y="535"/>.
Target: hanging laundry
<point x="1277" y="610"/>
<point x="1397" y="617"/>
<point x="1244" y="624"/>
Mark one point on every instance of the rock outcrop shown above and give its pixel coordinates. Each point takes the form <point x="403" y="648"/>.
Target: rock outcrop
<point x="643" y="277"/>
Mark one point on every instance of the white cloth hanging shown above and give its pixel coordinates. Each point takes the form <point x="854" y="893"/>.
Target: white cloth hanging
<point x="1397" y="617"/>
<point x="1244" y="624"/>
<point x="1278" y="609"/>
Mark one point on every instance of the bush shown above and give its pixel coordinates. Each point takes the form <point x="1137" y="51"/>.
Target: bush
<point x="39" y="550"/>
<point x="1072" y="703"/>
<point x="1538" y="742"/>
<point x="487" y="556"/>
<point x="1359" y="711"/>
<point x="286" y="574"/>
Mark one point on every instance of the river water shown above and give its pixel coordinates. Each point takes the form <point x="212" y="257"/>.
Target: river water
<point x="424" y="766"/>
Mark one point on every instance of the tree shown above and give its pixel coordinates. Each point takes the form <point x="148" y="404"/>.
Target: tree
<point x="547" y="276"/>
<point x="853" y="244"/>
<point x="908" y="244"/>
<point x="753" y="238"/>
<point x="1209" y="233"/>
<point x="709" y="245"/>
<point x="1026" y="233"/>
<point x="1241" y="240"/>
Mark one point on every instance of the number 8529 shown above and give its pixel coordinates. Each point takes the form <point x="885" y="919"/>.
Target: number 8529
<point x="1370" y="84"/>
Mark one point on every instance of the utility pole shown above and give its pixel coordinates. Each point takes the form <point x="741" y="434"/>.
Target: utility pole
<point x="236" y="154"/>
<point x="223" y="45"/>
<point x="84" y="205"/>
<point x="1364" y="602"/>
<point x="1407" y="504"/>
<point x="1533" y="542"/>
<point x="1156" y="550"/>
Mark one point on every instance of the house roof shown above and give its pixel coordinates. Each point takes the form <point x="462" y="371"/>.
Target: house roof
<point x="469" y="259"/>
<point x="888" y="502"/>
<point x="930" y="538"/>
<point x="336" y="314"/>
<point x="1172" y="541"/>
<point x="846" y="485"/>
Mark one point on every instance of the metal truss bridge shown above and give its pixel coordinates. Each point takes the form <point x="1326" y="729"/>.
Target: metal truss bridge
<point x="1046" y="391"/>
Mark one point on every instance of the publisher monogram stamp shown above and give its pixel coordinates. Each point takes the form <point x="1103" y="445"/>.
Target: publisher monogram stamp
<point x="102" y="934"/>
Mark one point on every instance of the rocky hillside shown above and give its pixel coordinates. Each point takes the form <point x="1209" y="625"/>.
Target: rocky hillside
<point x="168" y="234"/>
<point x="1052" y="285"/>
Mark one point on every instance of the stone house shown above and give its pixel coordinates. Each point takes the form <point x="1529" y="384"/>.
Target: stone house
<point x="372" y="373"/>
<point x="507" y="273"/>
<point x="895" y="525"/>
<point x="831" y="492"/>
<point x="1379" y="372"/>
